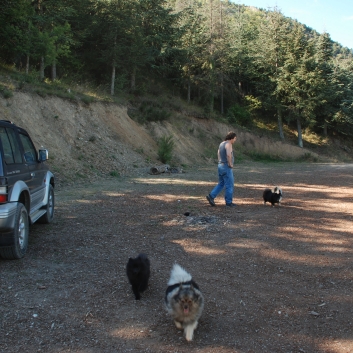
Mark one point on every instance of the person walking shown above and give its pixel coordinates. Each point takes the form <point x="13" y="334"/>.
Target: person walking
<point x="225" y="171"/>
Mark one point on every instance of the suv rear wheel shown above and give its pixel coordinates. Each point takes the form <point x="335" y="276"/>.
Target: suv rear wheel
<point x="20" y="236"/>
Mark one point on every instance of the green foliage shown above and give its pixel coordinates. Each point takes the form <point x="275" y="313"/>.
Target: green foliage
<point x="253" y="103"/>
<point x="239" y="115"/>
<point x="5" y="92"/>
<point x="263" y="157"/>
<point x="268" y="158"/>
<point x="152" y="111"/>
<point x="44" y="90"/>
<point x="87" y="99"/>
<point x="165" y="149"/>
<point x="247" y="62"/>
<point x="114" y="174"/>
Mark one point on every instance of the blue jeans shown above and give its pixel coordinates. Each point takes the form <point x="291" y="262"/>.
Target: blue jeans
<point x="225" y="179"/>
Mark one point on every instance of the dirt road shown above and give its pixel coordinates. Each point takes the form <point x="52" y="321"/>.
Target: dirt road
<point x="275" y="279"/>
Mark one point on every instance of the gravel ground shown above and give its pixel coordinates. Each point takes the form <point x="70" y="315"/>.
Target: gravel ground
<point x="275" y="279"/>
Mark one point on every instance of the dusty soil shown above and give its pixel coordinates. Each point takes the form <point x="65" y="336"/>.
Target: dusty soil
<point x="275" y="279"/>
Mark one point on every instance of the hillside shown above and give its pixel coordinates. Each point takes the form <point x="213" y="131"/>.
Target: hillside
<point x="86" y="142"/>
<point x="226" y="59"/>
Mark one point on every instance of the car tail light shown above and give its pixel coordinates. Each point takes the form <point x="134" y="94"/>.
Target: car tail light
<point x="3" y="190"/>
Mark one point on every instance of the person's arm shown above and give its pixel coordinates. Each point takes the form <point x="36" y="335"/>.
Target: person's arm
<point x="229" y="150"/>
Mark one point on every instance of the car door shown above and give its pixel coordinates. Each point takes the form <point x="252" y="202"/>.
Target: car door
<point x="15" y="168"/>
<point x="37" y="172"/>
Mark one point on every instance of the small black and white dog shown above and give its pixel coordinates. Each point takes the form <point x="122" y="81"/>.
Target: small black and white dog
<point x="273" y="196"/>
<point x="138" y="273"/>
<point x="184" y="301"/>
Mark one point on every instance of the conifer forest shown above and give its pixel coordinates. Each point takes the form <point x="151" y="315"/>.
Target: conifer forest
<point x="239" y="61"/>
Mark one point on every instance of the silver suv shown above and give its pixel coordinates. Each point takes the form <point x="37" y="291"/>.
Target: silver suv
<point x="26" y="189"/>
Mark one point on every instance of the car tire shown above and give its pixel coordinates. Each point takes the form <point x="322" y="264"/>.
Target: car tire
<point x="49" y="215"/>
<point x="20" y="236"/>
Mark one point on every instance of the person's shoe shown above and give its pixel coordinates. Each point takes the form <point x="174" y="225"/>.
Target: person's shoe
<point x="210" y="200"/>
<point x="231" y="205"/>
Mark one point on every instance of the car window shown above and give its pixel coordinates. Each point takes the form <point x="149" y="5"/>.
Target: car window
<point x="11" y="147"/>
<point x="30" y="153"/>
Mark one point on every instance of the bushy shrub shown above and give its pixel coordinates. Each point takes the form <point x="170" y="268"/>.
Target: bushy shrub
<point x="165" y="149"/>
<point x="150" y="111"/>
<point x="87" y="99"/>
<point x="239" y="115"/>
<point x="114" y="174"/>
<point x="264" y="157"/>
<point x="7" y="94"/>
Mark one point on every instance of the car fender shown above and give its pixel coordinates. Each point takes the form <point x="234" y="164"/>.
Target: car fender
<point x="49" y="180"/>
<point x="18" y="188"/>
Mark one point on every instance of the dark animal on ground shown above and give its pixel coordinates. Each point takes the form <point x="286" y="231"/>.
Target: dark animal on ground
<point x="138" y="273"/>
<point x="273" y="196"/>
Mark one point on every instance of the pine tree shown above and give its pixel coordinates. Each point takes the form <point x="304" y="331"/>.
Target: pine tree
<point x="326" y="92"/>
<point x="269" y="57"/>
<point x="297" y="79"/>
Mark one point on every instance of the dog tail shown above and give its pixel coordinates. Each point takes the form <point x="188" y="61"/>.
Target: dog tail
<point x="178" y="275"/>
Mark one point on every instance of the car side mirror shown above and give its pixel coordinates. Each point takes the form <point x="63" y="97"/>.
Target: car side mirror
<point x="43" y="155"/>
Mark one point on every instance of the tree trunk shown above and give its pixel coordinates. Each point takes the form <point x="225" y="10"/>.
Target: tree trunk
<point x="325" y="128"/>
<point x="113" y="80"/>
<point x="280" y="123"/>
<point x="222" y="95"/>
<point x="189" y="90"/>
<point x="27" y="64"/>
<point x="41" y="69"/>
<point x="211" y="90"/>
<point x="299" y="128"/>
<point x="53" y="70"/>
<point x="211" y="100"/>
<point x="133" y="79"/>
<point x="112" y="86"/>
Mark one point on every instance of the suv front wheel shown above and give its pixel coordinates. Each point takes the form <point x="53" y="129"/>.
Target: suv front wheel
<point x="20" y="235"/>
<point x="49" y="215"/>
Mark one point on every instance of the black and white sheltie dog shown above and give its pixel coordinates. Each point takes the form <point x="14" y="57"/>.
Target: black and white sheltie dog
<point x="138" y="273"/>
<point x="273" y="196"/>
<point x="184" y="301"/>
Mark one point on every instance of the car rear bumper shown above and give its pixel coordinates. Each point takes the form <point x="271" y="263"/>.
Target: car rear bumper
<point x="7" y="218"/>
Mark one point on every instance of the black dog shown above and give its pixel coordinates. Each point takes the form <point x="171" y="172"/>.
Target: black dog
<point x="138" y="273"/>
<point x="273" y="196"/>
